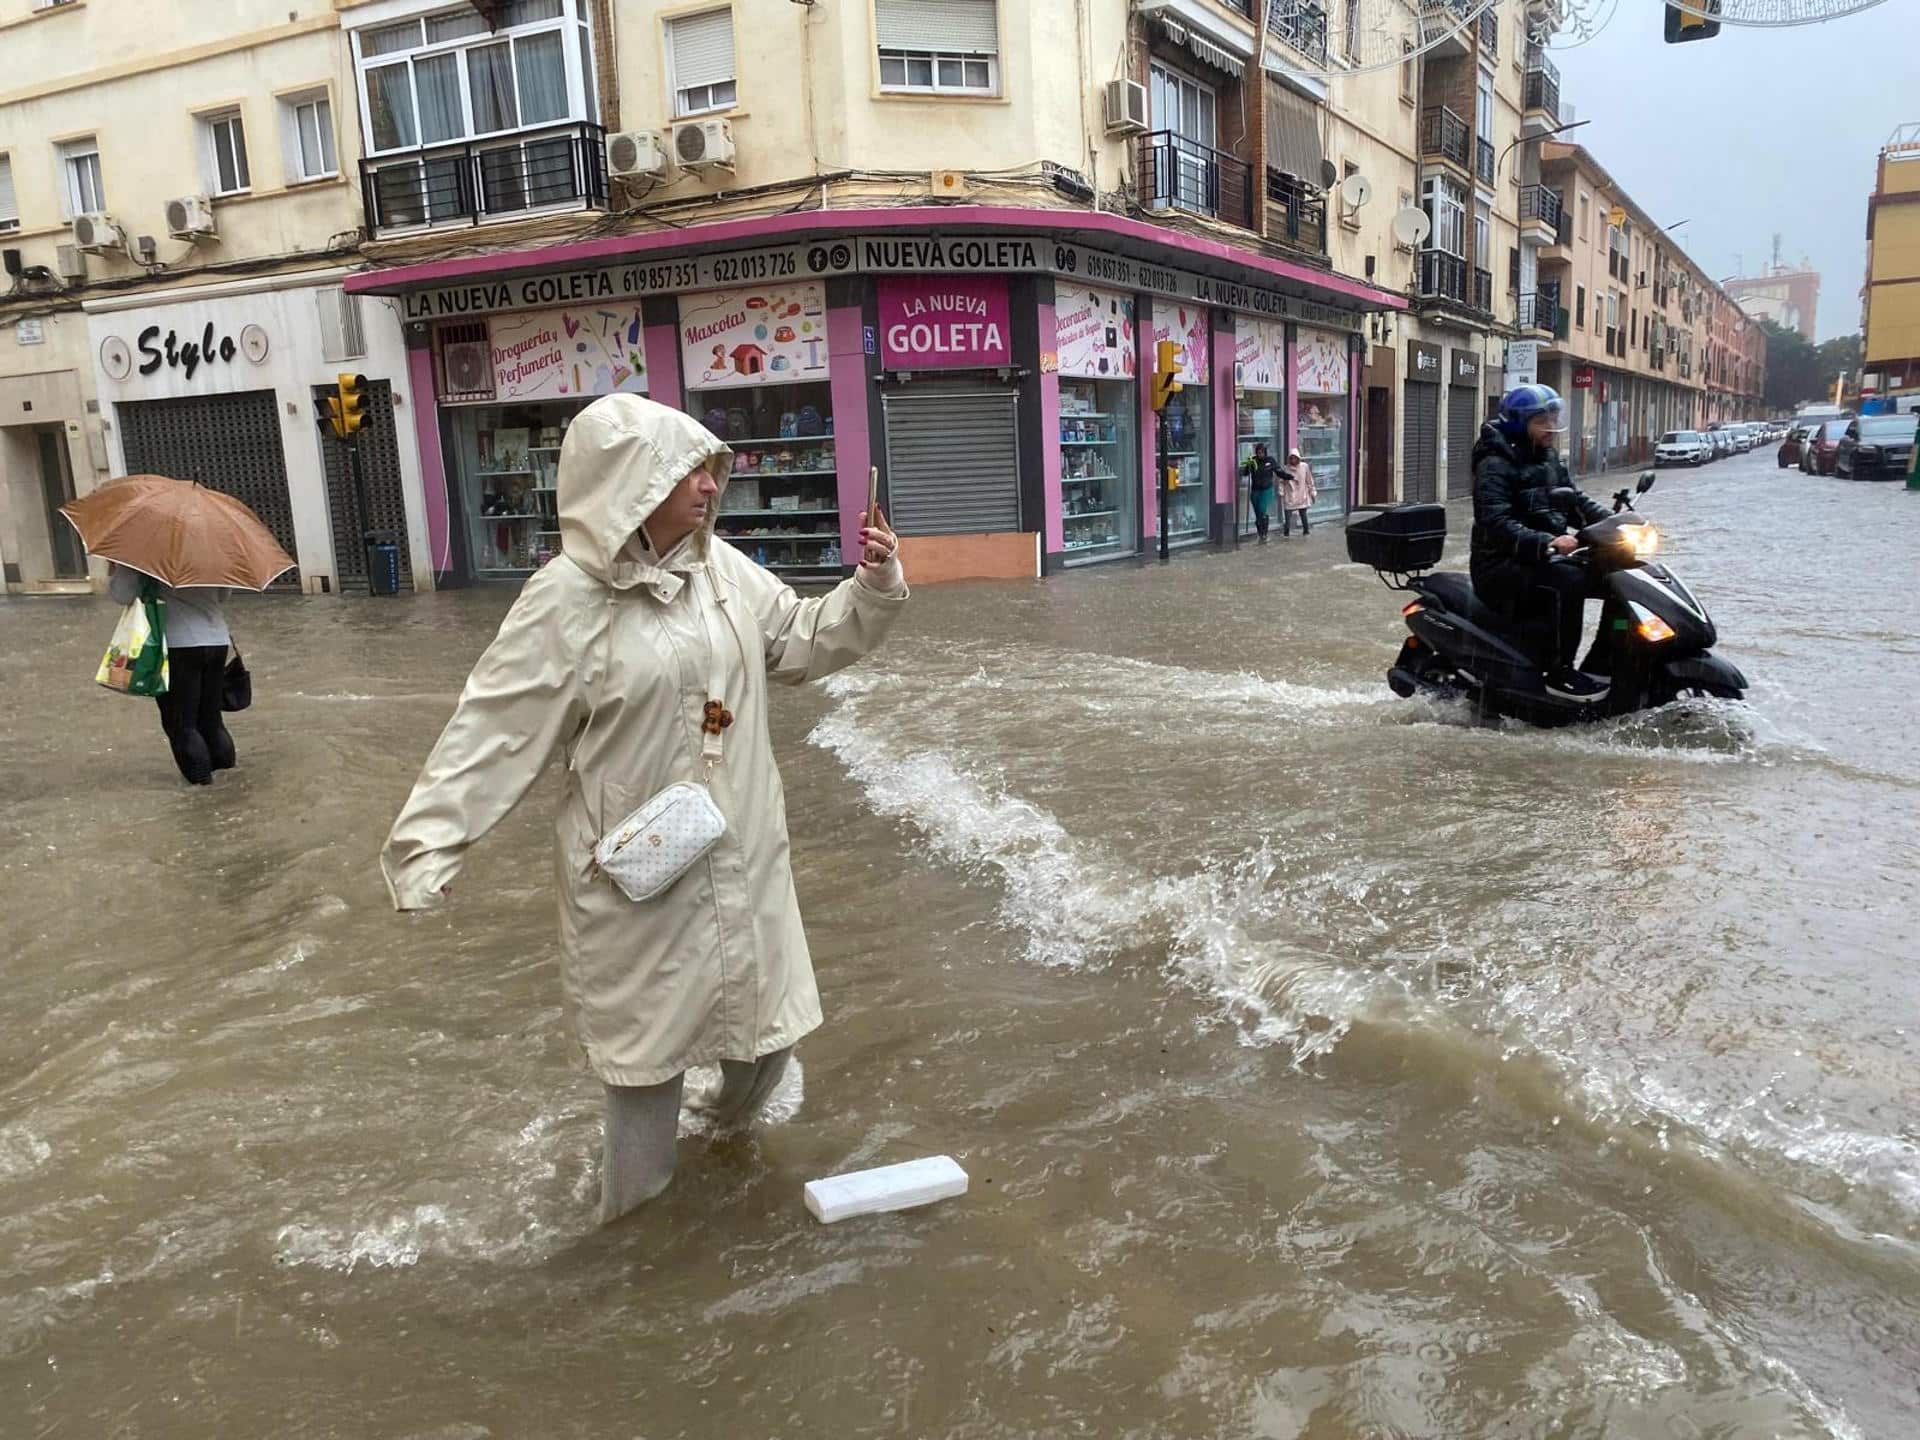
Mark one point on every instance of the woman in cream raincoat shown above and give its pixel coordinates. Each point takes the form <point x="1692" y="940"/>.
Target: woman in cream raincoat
<point x="606" y="659"/>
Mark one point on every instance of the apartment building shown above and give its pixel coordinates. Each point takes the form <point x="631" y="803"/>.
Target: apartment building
<point x="1641" y="340"/>
<point x="177" y="214"/>
<point x="1891" y="297"/>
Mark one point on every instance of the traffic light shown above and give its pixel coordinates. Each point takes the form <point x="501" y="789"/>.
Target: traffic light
<point x="1692" y="20"/>
<point x="347" y="406"/>
<point x="1166" y="371"/>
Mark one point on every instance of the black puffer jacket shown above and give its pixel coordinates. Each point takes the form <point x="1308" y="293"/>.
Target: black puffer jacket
<point x="1515" y="517"/>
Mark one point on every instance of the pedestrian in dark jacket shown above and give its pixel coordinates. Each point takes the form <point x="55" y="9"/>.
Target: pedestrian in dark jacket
<point x="197" y="640"/>
<point x="1262" y="478"/>
<point x="1520" y="534"/>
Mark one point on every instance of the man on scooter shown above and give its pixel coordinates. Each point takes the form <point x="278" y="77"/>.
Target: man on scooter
<point x="1520" y="534"/>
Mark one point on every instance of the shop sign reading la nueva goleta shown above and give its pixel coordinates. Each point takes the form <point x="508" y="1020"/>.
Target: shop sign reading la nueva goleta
<point x="870" y="255"/>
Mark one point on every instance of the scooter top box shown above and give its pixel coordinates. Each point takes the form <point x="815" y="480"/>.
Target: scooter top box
<point x="1398" y="538"/>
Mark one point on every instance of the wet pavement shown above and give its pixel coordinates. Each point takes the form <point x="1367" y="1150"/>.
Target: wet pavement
<point x="1326" y="1064"/>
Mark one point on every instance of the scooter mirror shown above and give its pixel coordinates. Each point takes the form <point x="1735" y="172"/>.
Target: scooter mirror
<point x="1646" y="483"/>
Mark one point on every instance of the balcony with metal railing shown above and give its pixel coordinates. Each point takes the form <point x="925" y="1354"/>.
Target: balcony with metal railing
<point x="558" y="168"/>
<point x="1181" y="174"/>
<point x="1483" y="160"/>
<point x="1490" y="32"/>
<point x="1541" y="311"/>
<point x="1541" y="213"/>
<point x="1444" y="30"/>
<point x="1441" y="276"/>
<point x="1296" y="212"/>
<point x="1541" y="93"/>
<point x="1443" y="136"/>
<point x="1483" y="290"/>
<point x="1301" y="24"/>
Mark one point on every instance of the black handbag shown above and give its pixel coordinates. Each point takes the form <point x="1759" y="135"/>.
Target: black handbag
<point x="236" y="685"/>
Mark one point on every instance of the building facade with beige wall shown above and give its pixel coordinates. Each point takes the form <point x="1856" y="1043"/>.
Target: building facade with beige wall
<point x="1646" y="342"/>
<point x="182" y="212"/>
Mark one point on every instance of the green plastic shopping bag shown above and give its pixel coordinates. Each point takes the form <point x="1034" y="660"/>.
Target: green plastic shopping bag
<point x="136" y="658"/>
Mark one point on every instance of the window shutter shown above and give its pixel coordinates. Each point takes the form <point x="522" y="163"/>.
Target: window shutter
<point x="948" y="27"/>
<point x="702" y="48"/>
<point x="9" y="210"/>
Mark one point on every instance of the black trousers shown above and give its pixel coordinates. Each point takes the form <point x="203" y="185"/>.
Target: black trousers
<point x="1286" y="522"/>
<point x="1548" y="600"/>
<point x="190" y="712"/>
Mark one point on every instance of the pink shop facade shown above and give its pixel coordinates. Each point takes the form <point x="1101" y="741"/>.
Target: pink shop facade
<point x="989" y="362"/>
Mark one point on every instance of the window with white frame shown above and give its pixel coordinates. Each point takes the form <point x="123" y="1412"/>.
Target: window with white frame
<point x="223" y="140"/>
<point x="700" y="60"/>
<point x="82" y="190"/>
<point x="447" y="80"/>
<point x="447" y="77"/>
<point x="1446" y="207"/>
<point x="1483" y="112"/>
<point x="9" y="207"/>
<point x="306" y="135"/>
<point x="1353" y="30"/>
<point x="939" y="47"/>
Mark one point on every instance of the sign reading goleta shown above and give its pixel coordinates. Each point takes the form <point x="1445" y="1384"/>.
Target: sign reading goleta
<point x="930" y="254"/>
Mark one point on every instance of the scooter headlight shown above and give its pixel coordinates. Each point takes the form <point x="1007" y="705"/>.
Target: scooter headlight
<point x="1649" y="625"/>
<point x="1643" y="540"/>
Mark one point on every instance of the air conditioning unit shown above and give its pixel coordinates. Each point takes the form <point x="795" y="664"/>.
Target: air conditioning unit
<point x="703" y="145"/>
<point x="636" y="155"/>
<point x="97" y="233"/>
<point x="1126" y="108"/>
<point x="190" y="217"/>
<point x="69" y="262"/>
<point x="466" y="367"/>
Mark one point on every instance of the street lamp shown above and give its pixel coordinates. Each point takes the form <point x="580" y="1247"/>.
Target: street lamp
<point x="1521" y="140"/>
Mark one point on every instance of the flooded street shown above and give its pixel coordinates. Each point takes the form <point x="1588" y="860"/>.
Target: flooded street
<point x="1325" y="1064"/>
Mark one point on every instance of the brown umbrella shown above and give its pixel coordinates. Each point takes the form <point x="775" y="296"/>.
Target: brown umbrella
<point x="179" y="532"/>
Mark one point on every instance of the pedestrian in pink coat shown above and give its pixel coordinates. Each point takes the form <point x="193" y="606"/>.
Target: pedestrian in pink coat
<point x="1296" y="492"/>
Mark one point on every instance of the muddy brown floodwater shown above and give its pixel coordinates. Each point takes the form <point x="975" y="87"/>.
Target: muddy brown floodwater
<point x="1326" y="1065"/>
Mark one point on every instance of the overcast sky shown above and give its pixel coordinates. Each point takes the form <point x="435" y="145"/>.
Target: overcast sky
<point x="1752" y="132"/>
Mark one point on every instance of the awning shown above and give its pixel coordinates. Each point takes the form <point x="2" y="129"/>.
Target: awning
<point x="1181" y="32"/>
<point x="1293" y="135"/>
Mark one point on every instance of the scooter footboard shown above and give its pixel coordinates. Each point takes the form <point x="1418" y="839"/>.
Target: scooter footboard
<point x="1705" y="670"/>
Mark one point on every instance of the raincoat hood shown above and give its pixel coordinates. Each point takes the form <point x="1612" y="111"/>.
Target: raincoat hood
<point x="621" y="458"/>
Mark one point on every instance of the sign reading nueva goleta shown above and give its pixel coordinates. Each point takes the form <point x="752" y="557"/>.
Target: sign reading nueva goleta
<point x="869" y="255"/>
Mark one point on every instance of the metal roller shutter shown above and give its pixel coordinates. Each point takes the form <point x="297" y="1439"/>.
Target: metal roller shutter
<point x="953" y="461"/>
<point x="1463" y="428"/>
<point x="229" y="443"/>
<point x="1421" y="451"/>
<point x="380" y="457"/>
<point x="952" y="27"/>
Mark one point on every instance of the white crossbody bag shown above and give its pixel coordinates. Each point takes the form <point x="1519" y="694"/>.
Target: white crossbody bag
<point x="659" y="842"/>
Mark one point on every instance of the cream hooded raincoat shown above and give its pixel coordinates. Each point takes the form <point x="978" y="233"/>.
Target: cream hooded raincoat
<point x="605" y="659"/>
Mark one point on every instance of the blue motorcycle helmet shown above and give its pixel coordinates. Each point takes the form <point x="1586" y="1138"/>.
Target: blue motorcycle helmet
<point x="1521" y="404"/>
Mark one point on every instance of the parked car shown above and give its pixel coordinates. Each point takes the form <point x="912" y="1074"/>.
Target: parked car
<point x="1726" y="437"/>
<point x="1682" y="447"/>
<point x="1789" y="451"/>
<point x="1722" y="443"/>
<point x="1875" y="447"/>
<point x="1822" y="445"/>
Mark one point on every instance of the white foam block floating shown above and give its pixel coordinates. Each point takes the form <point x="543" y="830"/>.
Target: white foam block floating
<point x="890" y="1187"/>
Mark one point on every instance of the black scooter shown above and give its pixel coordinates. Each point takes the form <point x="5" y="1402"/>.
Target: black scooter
<point x="1654" y="644"/>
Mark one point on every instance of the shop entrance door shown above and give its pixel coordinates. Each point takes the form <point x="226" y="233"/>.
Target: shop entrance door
<point x="1379" y="432"/>
<point x="1421" y="455"/>
<point x="1463" y="428"/>
<point x="56" y="486"/>
<point x="229" y="443"/>
<point x="953" y="460"/>
<point x="380" y="460"/>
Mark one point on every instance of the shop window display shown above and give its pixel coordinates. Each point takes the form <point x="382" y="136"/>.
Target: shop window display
<point x="1322" y="417"/>
<point x="1257" y="422"/>
<point x="1099" y="484"/>
<point x="782" y="505"/>
<point x="508" y="460"/>
<point x="1188" y="435"/>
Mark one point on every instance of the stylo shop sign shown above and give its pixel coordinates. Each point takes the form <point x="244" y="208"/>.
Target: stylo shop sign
<point x="187" y="352"/>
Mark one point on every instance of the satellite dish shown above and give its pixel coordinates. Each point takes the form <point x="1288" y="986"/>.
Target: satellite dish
<point x="1330" y="176"/>
<point x="1411" y="226"/>
<point x="1355" y="191"/>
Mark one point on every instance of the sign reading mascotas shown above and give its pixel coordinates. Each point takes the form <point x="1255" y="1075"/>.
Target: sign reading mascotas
<point x="927" y="254"/>
<point x="944" y="321"/>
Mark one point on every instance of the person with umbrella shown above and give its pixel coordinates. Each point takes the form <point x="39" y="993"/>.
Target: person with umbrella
<point x="194" y="546"/>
